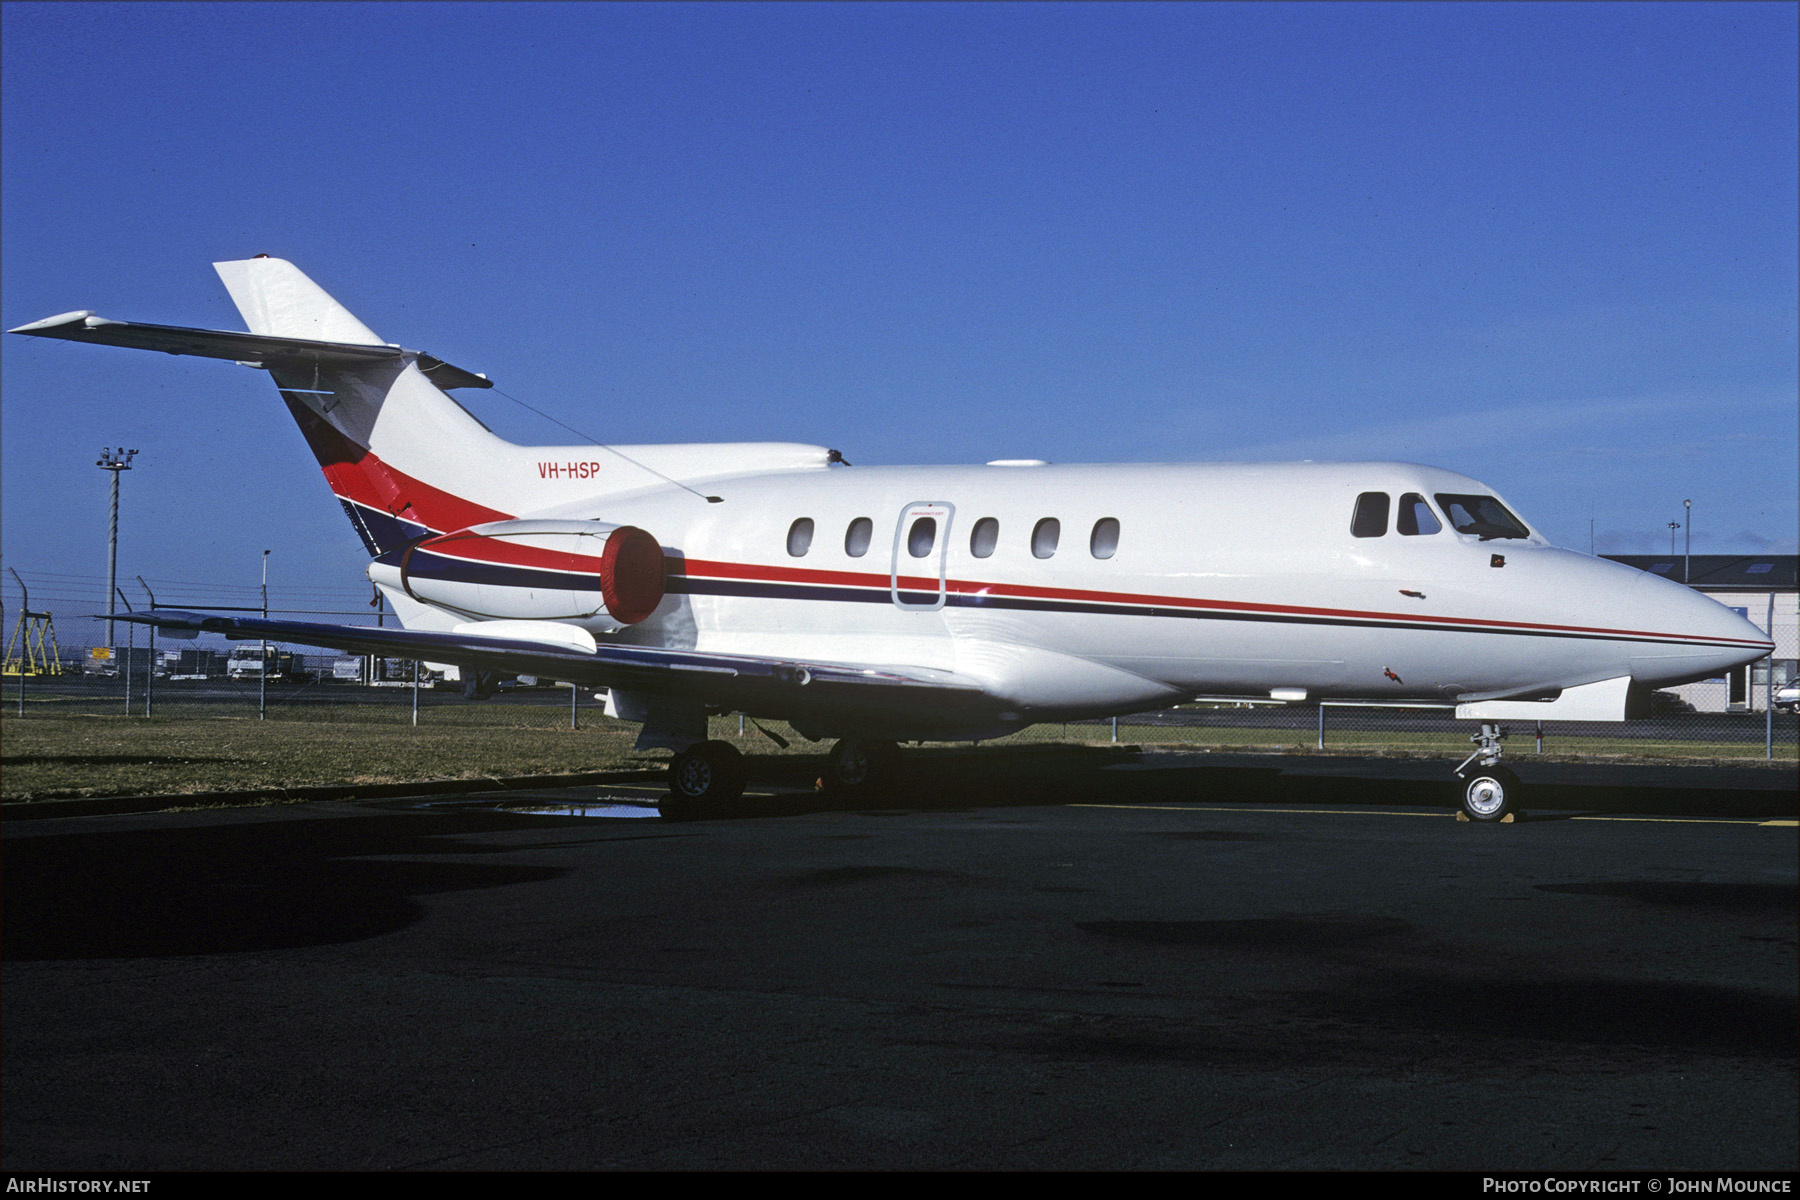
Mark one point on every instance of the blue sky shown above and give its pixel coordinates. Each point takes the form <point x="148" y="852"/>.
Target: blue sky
<point x="1552" y="246"/>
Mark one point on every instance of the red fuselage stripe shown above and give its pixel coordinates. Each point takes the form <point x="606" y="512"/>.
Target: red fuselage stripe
<point x="721" y="570"/>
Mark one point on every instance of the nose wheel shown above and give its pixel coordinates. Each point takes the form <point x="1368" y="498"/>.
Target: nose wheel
<point x="1490" y="792"/>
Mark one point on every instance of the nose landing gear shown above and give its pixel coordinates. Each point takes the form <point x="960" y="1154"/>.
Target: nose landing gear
<point x="1490" y="792"/>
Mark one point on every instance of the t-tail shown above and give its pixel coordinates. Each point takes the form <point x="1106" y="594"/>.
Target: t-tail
<point x="404" y="458"/>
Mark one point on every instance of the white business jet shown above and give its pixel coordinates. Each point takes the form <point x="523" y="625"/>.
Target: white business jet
<point x="889" y="604"/>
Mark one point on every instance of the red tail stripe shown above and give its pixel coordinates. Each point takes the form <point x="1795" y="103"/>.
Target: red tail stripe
<point x="357" y="474"/>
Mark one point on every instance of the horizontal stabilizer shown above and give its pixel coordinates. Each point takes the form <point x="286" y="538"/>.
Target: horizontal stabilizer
<point x="256" y="349"/>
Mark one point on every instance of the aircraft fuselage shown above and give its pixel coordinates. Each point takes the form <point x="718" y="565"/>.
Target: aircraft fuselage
<point x="1160" y="583"/>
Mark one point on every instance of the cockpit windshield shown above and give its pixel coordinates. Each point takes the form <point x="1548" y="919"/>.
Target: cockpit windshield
<point x="1482" y="516"/>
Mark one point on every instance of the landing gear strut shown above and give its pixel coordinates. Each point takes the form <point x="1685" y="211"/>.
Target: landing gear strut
<point x="704" y="778"/>
<point x="858" y="766"/>
<point x="1490" y="792"/>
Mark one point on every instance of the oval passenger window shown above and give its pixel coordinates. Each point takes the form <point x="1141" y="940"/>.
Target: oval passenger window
<point x="1045" y="537"/>
<point x="923" y="536"/>
<point x="1104" y="542"/>
<point x="984" y="537"/>
<point x="856" y="538"/>
<point x="800" y="537"/>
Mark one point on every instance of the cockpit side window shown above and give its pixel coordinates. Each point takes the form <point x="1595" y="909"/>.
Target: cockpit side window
<point x="1415" y="516"/>
<point x="1371" y="515"/>
<point x="1482" y="516"/>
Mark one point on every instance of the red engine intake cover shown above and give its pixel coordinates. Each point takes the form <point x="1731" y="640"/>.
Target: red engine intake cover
<point x="631" y="574"/>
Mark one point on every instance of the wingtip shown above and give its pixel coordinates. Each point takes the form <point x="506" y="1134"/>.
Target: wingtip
<point x="80" y="315"/>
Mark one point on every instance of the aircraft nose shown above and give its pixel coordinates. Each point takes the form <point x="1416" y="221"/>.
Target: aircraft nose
<point x="1697" y="637"/>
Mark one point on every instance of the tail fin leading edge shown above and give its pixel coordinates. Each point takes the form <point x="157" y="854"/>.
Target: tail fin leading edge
<point x="276" y="298"/>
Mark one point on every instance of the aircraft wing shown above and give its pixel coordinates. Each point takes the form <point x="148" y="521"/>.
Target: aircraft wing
<point x="730" y="681"/>
<point x="255" y="349"/>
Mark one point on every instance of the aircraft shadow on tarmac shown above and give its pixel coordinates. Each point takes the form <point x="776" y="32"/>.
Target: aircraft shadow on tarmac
<point x="940" y="779"/>
<point x="150" y="893"/>
<point x="268" y="884"/>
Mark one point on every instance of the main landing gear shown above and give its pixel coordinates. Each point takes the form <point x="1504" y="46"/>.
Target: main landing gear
<point x="707" y="778"/>
<point x="860" y="766"/>
<point x="703" y="779"/>
<point x="1490" y="792"/>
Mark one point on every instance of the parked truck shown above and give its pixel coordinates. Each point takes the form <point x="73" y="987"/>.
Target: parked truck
<point x="248" y="662"/>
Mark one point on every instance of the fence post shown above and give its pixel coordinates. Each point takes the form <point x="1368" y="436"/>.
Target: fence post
<point x="1769" y="686"/>
<point x="130" y="652"/>
<point x="1321" y="724"/>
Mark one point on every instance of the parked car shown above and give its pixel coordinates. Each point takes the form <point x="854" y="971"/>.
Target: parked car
<point x="1787" y="698"/>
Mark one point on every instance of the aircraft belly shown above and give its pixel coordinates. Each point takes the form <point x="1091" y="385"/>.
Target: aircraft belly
<point x="1040" y="683"/>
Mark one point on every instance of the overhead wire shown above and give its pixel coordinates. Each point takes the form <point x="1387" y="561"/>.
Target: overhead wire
<point x="590" y="438"/>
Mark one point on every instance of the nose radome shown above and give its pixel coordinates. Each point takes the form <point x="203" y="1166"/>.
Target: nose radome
<point x="1705" y="638"/>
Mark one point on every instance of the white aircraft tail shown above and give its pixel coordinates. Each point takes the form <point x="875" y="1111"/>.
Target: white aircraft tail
<point x="278" y="300"/>
<point x="408" y="461"/>
<point x="405" y="459"/>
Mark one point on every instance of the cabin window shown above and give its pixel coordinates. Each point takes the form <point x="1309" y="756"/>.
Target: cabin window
<point x="1482" y="516"/>
<point x="1415" y="516"/>
<point x="1371" y="515"/>
<point x="922" y="537"/>
<point x="984" y="537"/>
<point x="1045" y="537"/>
<point x="800" y="537"/>
<point x="856" y="538"/>
<point x="1104" y="542"/>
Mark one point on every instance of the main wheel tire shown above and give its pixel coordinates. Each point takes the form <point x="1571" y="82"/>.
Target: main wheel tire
<point x="706" y="774"/>
<point x="1490" y="794"/>
<point x="860" y="765"/>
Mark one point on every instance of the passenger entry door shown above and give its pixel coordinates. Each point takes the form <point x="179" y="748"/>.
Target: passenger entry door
<point x="921" y="544"/>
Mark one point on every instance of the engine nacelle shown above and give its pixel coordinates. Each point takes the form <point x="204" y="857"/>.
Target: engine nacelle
<point x="534" y="571"/>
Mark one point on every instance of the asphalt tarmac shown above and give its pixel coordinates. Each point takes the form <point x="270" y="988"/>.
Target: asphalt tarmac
<point x="1018" y="960"/>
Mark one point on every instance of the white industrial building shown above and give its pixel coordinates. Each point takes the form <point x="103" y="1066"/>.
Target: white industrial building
<point x="1761" y="587"/>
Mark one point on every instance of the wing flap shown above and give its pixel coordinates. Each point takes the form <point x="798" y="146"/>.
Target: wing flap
<point x="730" y="681"/>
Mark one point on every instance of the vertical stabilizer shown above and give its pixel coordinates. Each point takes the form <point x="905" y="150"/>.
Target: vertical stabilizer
<point x="276" y="298"/>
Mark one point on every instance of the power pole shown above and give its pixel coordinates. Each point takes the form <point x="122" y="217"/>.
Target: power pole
<point x="114" y="461"/>
<point x="1687" y="552"/>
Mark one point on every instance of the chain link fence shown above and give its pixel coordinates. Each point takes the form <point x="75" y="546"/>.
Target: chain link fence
<point x="1360" y="729"/>
<point x="1726" y="718"/>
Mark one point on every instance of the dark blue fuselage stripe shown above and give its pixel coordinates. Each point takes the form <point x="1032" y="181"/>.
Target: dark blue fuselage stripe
<point x="683" y="584"/>
<point x="381" y="531"/>
<point x="426" y="565"/>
